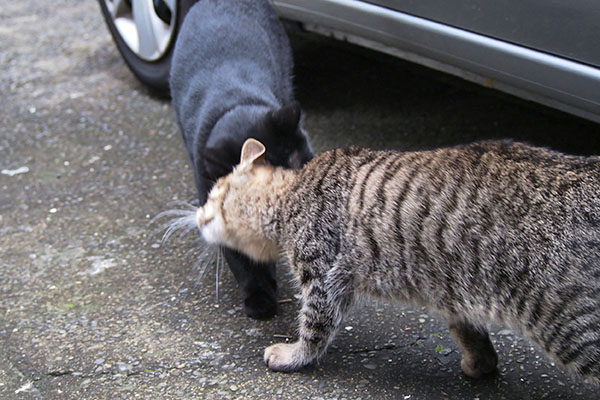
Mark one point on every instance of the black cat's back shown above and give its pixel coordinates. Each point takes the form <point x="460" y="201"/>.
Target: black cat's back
<point x="222" y="40"/>
<point x="231" y="77"/>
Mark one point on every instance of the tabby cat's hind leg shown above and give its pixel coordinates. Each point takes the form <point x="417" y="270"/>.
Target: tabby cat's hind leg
<point x="478" y="354"/>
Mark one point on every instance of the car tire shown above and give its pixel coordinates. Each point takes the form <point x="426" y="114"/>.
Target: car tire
<point x="151" y="67"/>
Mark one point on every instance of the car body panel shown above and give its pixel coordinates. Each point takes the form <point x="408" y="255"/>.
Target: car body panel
<point x="566" y="28"/>
<point x="532" y="74"/>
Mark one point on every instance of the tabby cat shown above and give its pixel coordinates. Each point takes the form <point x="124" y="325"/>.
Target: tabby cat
<point x="231" y="78"/>
<point x="491" y="231"/>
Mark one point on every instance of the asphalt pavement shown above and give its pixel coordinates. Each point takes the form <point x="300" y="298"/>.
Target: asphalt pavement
<point x="93" y="306"/>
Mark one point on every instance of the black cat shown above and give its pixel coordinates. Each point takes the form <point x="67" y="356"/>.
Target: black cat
<point x="231" y="79"/>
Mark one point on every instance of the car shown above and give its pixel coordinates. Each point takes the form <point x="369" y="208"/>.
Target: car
<point x="547" y="52"/>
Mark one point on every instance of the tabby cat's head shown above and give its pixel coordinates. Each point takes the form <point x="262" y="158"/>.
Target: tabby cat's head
<point x="233" y="216"/>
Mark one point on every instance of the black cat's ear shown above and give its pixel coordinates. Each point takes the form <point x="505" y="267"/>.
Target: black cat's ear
<point x="253" y="152"/>
<point x="287" y="118"/>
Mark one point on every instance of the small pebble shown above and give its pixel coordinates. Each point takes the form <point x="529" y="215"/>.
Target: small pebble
<point x="13" y="172"/>
<point x="123" y="367"/>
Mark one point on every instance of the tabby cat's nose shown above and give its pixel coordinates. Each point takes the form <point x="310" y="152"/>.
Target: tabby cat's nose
<point x="200" y="216"/>
<point x="204" y="215"/>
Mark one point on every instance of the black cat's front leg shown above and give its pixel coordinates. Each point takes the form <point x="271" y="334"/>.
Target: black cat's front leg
<point x="325" y="301"/>
<point x="478" y="354"/>
<point x="257" y="283"/>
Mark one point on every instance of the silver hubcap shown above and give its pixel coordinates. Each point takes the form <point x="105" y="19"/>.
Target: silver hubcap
<point x="141" y="28"/>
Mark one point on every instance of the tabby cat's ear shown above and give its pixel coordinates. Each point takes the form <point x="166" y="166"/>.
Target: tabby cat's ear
<point x="253" y="152"/>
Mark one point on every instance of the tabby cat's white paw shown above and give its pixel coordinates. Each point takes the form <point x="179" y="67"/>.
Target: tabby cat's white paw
<point x="283" y="357"/>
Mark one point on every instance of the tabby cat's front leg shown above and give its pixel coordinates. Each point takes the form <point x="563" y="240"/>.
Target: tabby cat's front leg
<point x="325" y="302"/>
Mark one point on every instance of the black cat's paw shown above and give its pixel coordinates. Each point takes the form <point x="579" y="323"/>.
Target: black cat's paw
<point x="260" y="305"/>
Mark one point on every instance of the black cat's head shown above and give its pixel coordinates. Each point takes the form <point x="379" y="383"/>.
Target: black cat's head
<point x="279" y="130"/>
<point x="281" y="133"/>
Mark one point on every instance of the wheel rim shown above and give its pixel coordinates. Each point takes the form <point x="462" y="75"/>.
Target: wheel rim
<point x="146" y="26"/>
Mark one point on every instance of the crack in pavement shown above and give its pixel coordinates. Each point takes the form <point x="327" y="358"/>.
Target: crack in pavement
<point x="59" y="373"/>
<point x="389" y="346"/>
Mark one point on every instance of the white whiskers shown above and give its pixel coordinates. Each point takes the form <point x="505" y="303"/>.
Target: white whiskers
<point x="211" y="255"/>
<point x="182" y="220"/>
<point x="201" y="263"/>
<point x="217" y="268"/>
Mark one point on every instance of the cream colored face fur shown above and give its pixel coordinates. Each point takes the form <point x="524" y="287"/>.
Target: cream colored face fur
<point x="229" y="216"/>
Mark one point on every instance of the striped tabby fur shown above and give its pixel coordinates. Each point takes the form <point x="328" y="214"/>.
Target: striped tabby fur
<point x="492" y="231"/>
